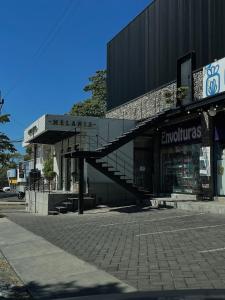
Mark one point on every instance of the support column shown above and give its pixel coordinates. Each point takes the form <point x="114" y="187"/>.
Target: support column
<point x="35" y="174"/>
<point x="207" y="182"/>
<point x="35" y="156"/>
<point x="81" y="186"/>
<point x="156" y="163"/>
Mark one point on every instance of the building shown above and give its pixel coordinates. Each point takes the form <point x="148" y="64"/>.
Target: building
<point x="74" y="141"/>
<point x="163" y="135"/>
<point x="172" y="44"/>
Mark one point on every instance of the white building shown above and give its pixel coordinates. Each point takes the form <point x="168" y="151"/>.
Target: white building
<point x="70" y="136"/>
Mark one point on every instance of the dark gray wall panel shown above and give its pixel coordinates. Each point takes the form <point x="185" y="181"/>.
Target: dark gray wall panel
<point x="143" y="55"/>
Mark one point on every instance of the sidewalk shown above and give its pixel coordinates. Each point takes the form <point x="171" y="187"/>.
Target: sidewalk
<point x="49" y="272"/>
<point x="214" y="207"/>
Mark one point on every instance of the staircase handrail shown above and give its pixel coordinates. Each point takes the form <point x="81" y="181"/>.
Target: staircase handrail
<point x="118" y="150"/>
<point x="121" y="160"/>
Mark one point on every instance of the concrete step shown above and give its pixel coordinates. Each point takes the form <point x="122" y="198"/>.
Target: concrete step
<point x="176" y="196"/>
<point x="61" y="209"/>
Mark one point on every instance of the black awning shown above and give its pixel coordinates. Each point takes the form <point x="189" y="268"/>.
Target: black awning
<point x="51" y="137"/>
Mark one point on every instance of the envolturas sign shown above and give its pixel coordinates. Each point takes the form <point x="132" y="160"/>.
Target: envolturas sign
<point x="181" y="135"/>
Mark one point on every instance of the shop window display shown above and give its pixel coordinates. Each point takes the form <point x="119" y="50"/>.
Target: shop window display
<point x="180" y="169"/>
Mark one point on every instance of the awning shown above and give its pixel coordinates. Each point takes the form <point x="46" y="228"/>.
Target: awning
<point x="50" y="137"/>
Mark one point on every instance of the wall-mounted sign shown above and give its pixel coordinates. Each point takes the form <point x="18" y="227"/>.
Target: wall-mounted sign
<point x="61" y="122"/>
<point x="181" y="135"/>
<point x="214" y="78"/>
<point x="11" y="173"/>
<point x="33" y="130"/>
<point x="204" y="161"/>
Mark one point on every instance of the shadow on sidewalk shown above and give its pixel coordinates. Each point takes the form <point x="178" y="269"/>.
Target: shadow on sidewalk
<point x="71" y="291"/>
<point x="131" y="209"/>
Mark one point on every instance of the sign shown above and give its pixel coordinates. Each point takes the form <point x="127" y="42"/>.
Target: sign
<point x="181" y="135"/>
<point x="11" y="173"/>
<point x="32" y="131"/>
<point x="204" y="160"/>
<point x="214" y="78"/>
<point x="12" y="181"/>
<point x="73" y="123"/>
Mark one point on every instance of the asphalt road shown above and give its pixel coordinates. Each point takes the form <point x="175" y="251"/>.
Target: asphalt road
<point x="8" y="196"/>
<point x="153" y="250"/>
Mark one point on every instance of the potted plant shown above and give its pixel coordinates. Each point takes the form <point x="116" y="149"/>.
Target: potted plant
<point x="48" y="171"/>
<point x="181" y="94"/>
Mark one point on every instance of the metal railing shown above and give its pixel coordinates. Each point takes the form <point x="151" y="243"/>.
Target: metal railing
<point x="121" y="165"/>
<point x="41" y="185"/>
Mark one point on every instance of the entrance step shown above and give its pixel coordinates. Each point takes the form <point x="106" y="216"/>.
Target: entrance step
<point x="220" y="199"/>
<point x="175" y="196"/>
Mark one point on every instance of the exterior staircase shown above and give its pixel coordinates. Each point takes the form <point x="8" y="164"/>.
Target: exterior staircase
<point x="119" y="178"/>
<point x="127" y="136"/>
<point x="107" y="148"/>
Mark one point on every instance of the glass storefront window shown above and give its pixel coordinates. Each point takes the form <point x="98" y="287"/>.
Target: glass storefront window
<point x="180" y="169"/>
<point x="220" y="168"/>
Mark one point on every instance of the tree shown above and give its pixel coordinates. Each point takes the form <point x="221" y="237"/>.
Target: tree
<point x="96" y="105"/>
<point x="48" y="171"/>
<point x="29" y="152"/>
<point x="7" y="149"/>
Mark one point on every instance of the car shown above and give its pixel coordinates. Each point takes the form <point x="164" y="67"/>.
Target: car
<point x="6" y="189"/>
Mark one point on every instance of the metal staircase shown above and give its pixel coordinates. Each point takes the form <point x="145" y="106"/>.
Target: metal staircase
<point x="123" y="175"/>
<point x="127" y="136"/>
<point x="119" y="178"/>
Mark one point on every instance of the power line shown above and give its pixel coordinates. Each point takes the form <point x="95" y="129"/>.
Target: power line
<point x="16" y="141"/>
<point x="47" y="41"/>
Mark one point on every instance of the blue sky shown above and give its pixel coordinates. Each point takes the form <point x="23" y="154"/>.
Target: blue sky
<point x="49" y="48"/>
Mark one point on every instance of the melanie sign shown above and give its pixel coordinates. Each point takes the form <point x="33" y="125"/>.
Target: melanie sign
<point x="73" y="123"/>
<point x="181" y="135"/>
<point x="214" y="78"/>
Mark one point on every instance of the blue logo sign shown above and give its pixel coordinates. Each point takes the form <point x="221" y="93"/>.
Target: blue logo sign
<point x="213" y="80"/>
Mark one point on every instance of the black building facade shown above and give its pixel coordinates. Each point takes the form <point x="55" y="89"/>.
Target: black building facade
<point x="143" y="56"/>
<point x="173" y="44"/>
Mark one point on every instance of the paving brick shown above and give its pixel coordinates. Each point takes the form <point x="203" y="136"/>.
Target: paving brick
<point x="154" y="262"/>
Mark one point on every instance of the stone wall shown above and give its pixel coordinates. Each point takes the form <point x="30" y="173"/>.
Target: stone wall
<point x="153" y="102"/>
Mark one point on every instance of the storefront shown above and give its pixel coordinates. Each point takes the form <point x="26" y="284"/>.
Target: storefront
<point x="219" y="154"/>
<point x="180" y="158"/>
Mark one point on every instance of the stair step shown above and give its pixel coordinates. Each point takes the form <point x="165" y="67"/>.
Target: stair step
<point x="61" y="209"/>
<point x="143" y="190"/>
<point x="107" y="167"/>
<point x="53" y="212"/>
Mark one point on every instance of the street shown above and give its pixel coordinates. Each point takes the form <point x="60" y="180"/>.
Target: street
<point x="8" y="196"/>
<point x="151" y="250"/>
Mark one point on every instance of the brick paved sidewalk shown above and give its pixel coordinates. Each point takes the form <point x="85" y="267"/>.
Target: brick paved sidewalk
<point x="150" y="250"/>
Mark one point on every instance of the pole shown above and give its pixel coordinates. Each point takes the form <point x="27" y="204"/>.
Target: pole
<point x="81" y="186"/>
<point x="35" y="156"/>
<point x="35" y="164"/>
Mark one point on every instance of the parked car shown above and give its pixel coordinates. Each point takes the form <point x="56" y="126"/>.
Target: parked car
<point x="6" y="189"/>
